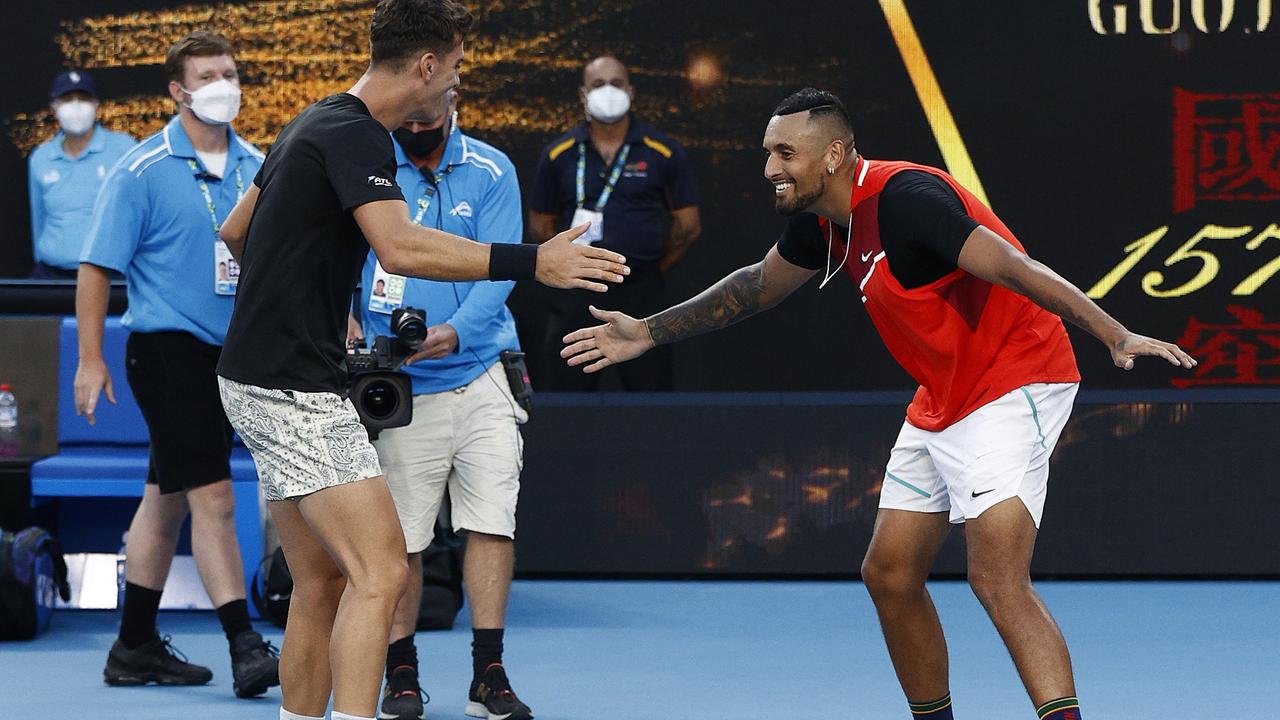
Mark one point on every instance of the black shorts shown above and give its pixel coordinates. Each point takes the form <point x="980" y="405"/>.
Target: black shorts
<point x="172" y="377"/>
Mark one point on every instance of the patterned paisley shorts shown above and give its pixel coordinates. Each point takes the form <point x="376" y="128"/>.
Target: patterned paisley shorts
<point x="301" y="442"/>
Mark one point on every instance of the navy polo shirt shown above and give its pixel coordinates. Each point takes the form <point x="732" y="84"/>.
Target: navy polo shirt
<point x="656" y="179"/>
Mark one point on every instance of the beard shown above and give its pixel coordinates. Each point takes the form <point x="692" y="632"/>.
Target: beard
<point x="799" y="203"/>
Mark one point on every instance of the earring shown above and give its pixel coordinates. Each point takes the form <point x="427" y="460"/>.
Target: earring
<point x="830" y="170"/>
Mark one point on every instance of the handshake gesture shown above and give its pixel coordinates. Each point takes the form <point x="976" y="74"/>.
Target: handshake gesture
<point x="562" y="264"/>
<point x="621" y="338"/>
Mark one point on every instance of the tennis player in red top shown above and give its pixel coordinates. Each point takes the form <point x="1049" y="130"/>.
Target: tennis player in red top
<point x="977" y="322"/>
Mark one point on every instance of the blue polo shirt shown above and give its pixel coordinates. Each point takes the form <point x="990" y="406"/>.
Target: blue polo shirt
<point x="655" y="180"/>
<point x="62" y="190"/>
<point x="473" y="193"/>
<point x="152" y="223"/>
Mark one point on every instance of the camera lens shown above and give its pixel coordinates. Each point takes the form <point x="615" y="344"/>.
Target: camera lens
<point x="409" y="325"/>
<point x="381" y="400"/>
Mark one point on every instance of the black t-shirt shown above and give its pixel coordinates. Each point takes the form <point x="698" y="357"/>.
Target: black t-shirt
<point x="304" y="251"/>
<point x="923" y="226"/>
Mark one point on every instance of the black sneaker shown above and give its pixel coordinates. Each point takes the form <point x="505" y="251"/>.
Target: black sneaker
<point x="492" y="697"/>
<point x="402" y="698"/>
<point x="255" y="665"/>
<point x="156" y="662"/>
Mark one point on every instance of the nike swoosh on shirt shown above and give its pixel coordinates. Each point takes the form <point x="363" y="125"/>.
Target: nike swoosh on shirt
<point x="866" y="255"/>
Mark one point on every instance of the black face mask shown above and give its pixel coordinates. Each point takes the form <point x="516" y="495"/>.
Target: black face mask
<point x="419" y="144"/>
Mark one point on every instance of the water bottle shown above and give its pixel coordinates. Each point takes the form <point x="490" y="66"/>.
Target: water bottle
<point x="8" y="408"/>
<point x="120" y="580"/>
<point x="8" y="422"/>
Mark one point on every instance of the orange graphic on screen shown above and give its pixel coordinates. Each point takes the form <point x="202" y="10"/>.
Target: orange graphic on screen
<point x="292" y="53"/>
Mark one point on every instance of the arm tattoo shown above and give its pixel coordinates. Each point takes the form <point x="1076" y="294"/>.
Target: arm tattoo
<point x="737" y="297"/>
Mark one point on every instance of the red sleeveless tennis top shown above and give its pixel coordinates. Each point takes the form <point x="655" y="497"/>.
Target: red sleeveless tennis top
<point x="966" y="341"/>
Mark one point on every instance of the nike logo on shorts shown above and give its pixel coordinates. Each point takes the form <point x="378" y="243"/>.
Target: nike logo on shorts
<point x="979" y="494"/>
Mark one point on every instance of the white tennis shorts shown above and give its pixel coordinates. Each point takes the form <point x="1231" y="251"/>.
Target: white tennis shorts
<point x="468" y="440"/>
<point x="997" y="452"/>
<point x="301" y="442"/>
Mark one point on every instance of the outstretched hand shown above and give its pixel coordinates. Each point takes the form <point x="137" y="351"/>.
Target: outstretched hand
<point x="562" y="264"/>
<point x="1131" y="346"/>
<point x="621" y="338"/>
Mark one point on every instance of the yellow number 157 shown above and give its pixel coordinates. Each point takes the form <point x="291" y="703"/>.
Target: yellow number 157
<point x="1209" y="263"/>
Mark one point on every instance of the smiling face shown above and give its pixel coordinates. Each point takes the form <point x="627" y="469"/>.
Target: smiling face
<point x="798" y="157"/>
<point x="442" y="74"/>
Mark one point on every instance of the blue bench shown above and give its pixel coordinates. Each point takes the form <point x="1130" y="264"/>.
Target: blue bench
<point x="110" y="459"/>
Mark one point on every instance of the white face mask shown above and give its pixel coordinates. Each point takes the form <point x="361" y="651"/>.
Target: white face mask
<point x="76" y="116"/>
<point x="217" y="103"/>
<point x="608" y="104"/>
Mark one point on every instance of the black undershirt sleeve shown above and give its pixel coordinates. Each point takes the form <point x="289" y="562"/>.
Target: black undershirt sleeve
<point x="802" y="243"/>
<point x="923" y="226"/>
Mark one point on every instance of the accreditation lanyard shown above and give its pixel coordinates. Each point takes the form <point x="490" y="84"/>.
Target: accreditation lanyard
<point x="208" y="197"/>
<point x="609" y="185"/>
<point x="226" y="271"/>
<point x="423" y="204"/>
<point x="433" y="186"/>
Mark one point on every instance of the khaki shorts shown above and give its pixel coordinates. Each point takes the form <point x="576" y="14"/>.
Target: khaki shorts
<point x="301" y="442"/>
<point x="467" y="440"/>
<point x="997" y="452"/>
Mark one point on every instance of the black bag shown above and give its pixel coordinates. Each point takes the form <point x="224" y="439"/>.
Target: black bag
<point x="32" y="569"/>
<point x="441" y="584"/>
<point x="272" y="587"/>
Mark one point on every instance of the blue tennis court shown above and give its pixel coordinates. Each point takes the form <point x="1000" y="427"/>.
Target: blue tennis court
<point x="768" y="650"/>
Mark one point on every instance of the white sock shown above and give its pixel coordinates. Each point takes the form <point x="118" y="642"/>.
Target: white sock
<point x="286" y="715"/>
<point x="343" y="716"/>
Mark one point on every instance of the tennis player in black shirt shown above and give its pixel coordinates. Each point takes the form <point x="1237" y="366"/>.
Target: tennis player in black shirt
<point x="325" y="194"/>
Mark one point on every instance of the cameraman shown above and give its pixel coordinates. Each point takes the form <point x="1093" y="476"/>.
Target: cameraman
<point x="465" y="433"/>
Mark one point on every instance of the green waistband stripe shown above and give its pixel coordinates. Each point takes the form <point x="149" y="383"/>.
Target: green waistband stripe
<point x="1035" y="415"/>
<point x="929" y="707"/>
<point x="906" y="484"/>
<point x="1055" y="705"/>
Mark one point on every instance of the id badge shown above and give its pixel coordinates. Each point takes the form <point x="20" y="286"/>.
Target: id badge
<point x="595" y="233"/>
<point x="226" y="271"/>
<point x="387" y="292"/>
